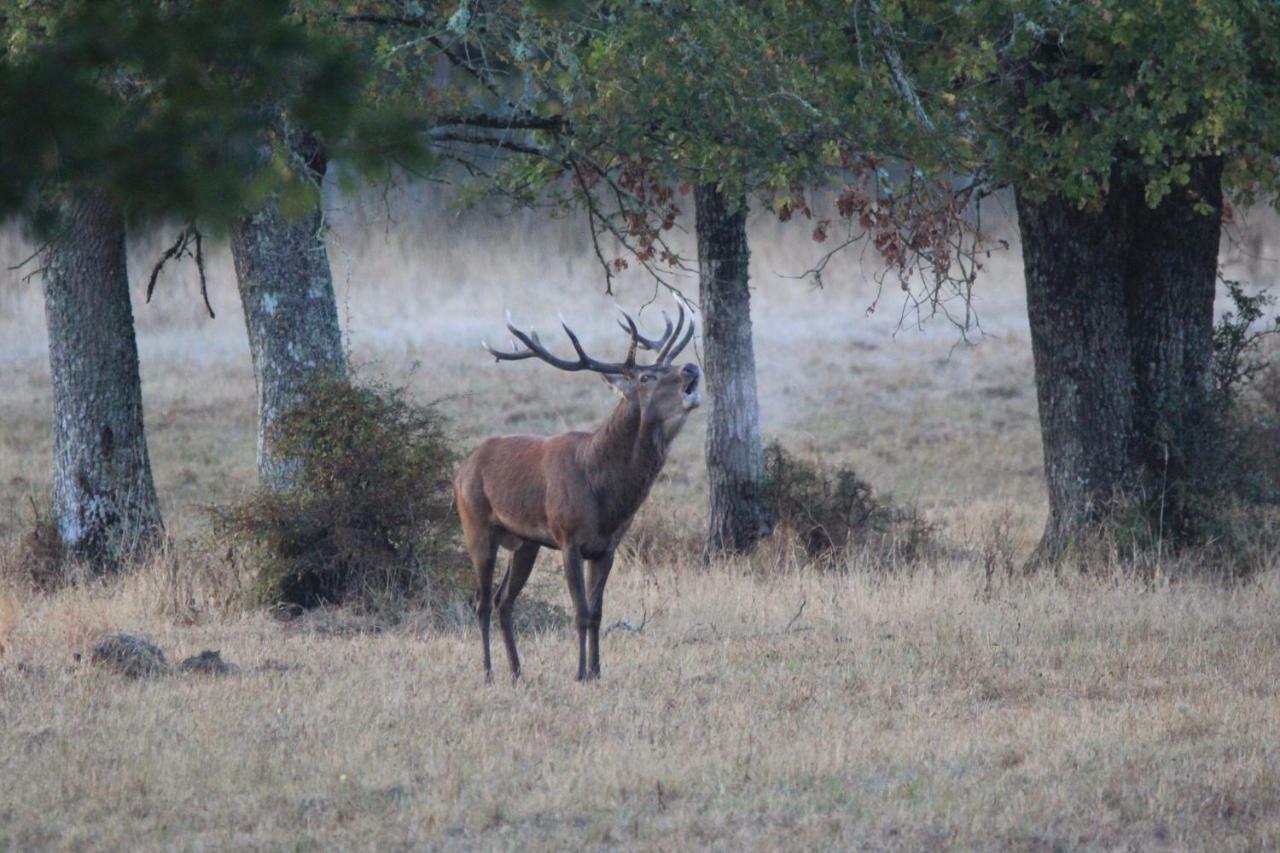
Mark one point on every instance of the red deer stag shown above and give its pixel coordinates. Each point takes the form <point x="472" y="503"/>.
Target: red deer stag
<point x="576" y="492"/>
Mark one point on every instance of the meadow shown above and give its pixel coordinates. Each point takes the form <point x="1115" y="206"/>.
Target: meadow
<point x="756" y="703"/>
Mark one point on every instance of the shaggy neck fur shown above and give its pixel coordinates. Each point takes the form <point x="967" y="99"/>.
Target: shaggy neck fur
<point x="623" y="459"/>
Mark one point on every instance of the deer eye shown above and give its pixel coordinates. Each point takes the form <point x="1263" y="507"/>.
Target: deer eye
<point x="646" y="377"/>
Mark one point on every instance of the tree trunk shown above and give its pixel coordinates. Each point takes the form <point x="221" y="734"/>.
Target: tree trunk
<point x="1120" y="303"/>
<point x="286" y="288"/>
<point x="1074" y="268"/>
<point x="104" y="499"/>
<point x="1172" y="274"/>
<point x="738" y="515"/>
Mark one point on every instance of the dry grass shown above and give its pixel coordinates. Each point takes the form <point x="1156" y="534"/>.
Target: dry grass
<point x="905" y="712"/>
<point x="763" y="704"/>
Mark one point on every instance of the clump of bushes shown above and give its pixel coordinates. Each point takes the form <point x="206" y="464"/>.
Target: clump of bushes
<point x="1240" y="508"/>
<point x="367" y="517"/>
<point x="1218" y="502"/>
<point x="1236" y="473"/>
<point x="833" y="513"/>
<point x="1246" y="391"/>
<point x="38" y="560"/>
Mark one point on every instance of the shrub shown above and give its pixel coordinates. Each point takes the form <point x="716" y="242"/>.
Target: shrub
<point x="1251" y="437"/>
<point x="1242" y="514"/>
<point x="38" y="561"/>
<point x="1242" y="464"/>
<point x="1219" y="507"/>
<point x="368" y="518"/>
<point x="833" y="512"/>
<point x="1238" y="355"/>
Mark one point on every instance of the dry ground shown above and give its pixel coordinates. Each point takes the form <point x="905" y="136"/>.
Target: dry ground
<point x="905" y="712"/>
<point x="762" y="705"/>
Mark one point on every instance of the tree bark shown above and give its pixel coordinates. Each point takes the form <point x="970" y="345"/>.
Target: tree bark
<point x="286" y="287"/>
<point x="1074" y="268"/>
<point x="1120" y="303"/>
<point x="738" y="516"/>
<point x="1172" y="274"/>
<point x="104" y="498"/>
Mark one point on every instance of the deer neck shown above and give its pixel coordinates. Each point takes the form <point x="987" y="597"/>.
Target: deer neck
<point x="624" y="457"/>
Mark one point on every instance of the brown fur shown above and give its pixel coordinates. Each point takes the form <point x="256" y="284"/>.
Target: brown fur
<point x="575" y="492"/>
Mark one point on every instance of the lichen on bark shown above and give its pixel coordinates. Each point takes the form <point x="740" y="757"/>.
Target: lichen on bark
<point x="738" y="516"/>
<point x="104" y="498"/>
<point x="291" y="315"/>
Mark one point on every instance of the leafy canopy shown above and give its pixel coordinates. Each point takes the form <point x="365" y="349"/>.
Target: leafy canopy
<point x="1054" y="94"/>
<point x="174" y="108"/>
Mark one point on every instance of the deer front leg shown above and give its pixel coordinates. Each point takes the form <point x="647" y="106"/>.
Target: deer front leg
<point x="598" y="577"/>
<point x="582" y="615"/>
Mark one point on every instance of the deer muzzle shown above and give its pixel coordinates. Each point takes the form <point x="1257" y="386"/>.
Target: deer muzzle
<point x="691" y="397"/>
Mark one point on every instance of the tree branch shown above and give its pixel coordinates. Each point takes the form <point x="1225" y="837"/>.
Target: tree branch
<point x="441" y="135"/>
<point x="180" y="248"/>
<point x="893" y="60"/>
<point x="497" y="121"/>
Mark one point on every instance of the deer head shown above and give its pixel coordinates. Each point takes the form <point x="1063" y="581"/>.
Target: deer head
<point x="660" y="392"/>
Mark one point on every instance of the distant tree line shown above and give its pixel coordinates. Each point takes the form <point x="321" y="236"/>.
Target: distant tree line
<point x="1124" y="135"/>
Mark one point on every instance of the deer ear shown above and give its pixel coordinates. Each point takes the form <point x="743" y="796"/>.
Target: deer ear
<point x="619" y="383"/>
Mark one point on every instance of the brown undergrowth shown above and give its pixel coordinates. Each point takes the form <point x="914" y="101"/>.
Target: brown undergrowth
<point x="368" y="519"/>
<point x="833" y="513"/>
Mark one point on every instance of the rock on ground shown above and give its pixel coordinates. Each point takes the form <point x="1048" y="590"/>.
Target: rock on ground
<point x="131" y="655"/>
<point x="208" y="662"/>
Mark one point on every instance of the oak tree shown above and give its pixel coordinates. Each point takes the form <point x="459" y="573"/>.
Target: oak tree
<point x="1125" y="134"/>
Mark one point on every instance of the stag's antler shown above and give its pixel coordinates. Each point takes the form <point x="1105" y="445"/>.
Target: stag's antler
<point x="629" y="326"/>
<point x="671" y="349"/>
<point x="534" y="348"/>
<point x="665" y="346"/>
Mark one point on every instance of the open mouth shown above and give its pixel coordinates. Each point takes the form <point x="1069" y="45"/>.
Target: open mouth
<point x="692" y="399"/>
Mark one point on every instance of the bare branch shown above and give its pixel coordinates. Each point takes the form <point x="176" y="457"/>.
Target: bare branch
<point x="787" y="629"/>
<point x="502" y="121"/>
<point x="490" y="142"/>
<point x="31" y="257"/>
<point x="169" y="253"/>
<point x="630" y="627"/>
<point x="182" y="247"/>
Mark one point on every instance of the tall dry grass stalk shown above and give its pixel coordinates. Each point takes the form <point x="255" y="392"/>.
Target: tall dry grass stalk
<point x="9" y="613"/>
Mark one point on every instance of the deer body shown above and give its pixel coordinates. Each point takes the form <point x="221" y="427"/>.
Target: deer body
<point x="576" y="492"/>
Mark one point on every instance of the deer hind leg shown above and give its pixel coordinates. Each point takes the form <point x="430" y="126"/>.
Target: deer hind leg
<point x="578" y="592"/>
<point x="522" y="559"/>
<point x="483" y="548"/>
<point x="597" y="577"/>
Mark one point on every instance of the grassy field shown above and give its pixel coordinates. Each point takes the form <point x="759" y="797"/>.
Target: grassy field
<point x="755" y="704"/>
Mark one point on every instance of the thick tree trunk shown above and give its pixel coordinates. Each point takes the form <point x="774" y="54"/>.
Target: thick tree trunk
<point x="1172" y="276"/>
<point x="289" y="309"/>
<point x="1084" y="370"/>
<point x="738" y="515"/>
<point x="104" y="499"/>
<point x="1120" y="302"/>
